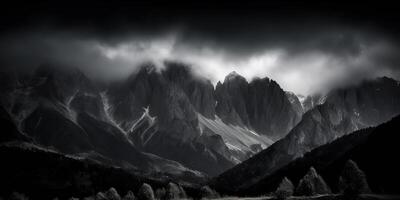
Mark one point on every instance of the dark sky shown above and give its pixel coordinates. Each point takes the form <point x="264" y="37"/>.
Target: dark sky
<point x="307" y="46"/>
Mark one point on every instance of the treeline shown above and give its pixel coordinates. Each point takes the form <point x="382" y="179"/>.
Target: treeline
<point x="171" y="191"/>
<point x="351" y="183"/>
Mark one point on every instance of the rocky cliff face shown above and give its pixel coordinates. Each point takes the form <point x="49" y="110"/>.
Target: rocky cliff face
<point x="231" y="96"/>
<point x="271" y="113"/>
<point x="312" y="101"/>
<point x="261" y="105"/>
<point x="199" y="90"/>
<point x="345" y="110"/>
<point x="296" y="103"/>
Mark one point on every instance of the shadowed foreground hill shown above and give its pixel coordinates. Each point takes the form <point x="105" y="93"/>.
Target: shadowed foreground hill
<point x="41" y="173"/>
<point x="373" y="149"/>
<point x="45" y="174"/>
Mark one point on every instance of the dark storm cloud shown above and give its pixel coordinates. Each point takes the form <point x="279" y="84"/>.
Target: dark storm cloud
<point x="305" y="48"/>
<point x="240" y="26"/>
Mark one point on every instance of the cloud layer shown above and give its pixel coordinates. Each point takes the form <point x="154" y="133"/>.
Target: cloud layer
<point x="305" y="47"/>
<point x="317" y="63"/>
<point x="313" y="64"/>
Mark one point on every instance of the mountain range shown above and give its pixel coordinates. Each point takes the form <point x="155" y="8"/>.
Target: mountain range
<point x="175" y="124"/>
<point x="170" y="121"/>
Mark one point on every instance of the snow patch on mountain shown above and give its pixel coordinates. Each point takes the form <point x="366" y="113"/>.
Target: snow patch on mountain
<point x="144" y="128"/>
<point x="107" y="108"/>
<point x="238" y="139"/>
<point x="145" y="116"/>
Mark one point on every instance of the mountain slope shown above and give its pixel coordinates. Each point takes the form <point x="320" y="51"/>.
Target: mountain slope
<point x="345" y="110"/>
<point x="8" y="128"/>
<point x="241" y="141"/>
<point x="370" y="148"/>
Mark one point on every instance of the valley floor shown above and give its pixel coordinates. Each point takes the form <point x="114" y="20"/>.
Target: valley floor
<point x="320" y="197"/>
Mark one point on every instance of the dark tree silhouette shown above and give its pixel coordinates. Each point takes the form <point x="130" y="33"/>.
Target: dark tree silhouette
<point x="311" y="184"/>
<point x="353" y="180"/>
<point x="285" y="189"/>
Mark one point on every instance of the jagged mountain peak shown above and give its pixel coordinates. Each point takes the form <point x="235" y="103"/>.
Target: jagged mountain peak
<point x="234" y="76"/>
<point x="60" y="75"/>
<point x="378" y="83"/>
<point x="263" y="79"/>
<point x="144" y="71"/>
<point x="60" y="83"/>
<point x="148" y="68"/>
<point x="266" y="82"/>
<point x="177" y="67"/>
<point x="179" y="72"/>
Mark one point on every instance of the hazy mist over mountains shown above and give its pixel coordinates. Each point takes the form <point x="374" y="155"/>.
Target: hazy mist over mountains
<point x="179" y="100"/>
<point x="335" y="58"/>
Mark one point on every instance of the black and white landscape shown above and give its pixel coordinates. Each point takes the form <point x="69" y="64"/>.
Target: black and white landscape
<point x="199" y="100"/>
